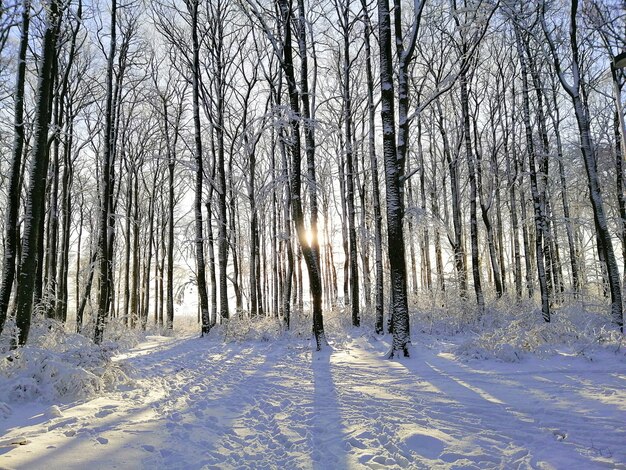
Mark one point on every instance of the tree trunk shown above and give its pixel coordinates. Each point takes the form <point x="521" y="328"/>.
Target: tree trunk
<point x="512" y="172"/>
<point x="457" y="241"/>
<point x="11" y="239"/>
<point x="371" y="144"/>
<point x="192" y="7"/>
<point x="605" y="246"/>
<point x="537" y="202"/>
<point x="480" y="300"/>
<point x="350" y="166"/>
<point x="33" y="217"/>
<point x="134" y="292"/>
<point x="394" y="172"/>
<point x="309" y="251"/>
<point x="104" y="257"/>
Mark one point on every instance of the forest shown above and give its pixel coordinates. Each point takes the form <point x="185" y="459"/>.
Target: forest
<point x="205" y="204"/>
<point x="285" y="156"/>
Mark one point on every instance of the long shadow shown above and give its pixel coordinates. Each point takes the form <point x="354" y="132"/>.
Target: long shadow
<point x="142" y="434"/>
<point x="525" y="419"/>
<point x="260" y="426"/>
<point x="328" y="437"/>
<point x="78" y="450"/>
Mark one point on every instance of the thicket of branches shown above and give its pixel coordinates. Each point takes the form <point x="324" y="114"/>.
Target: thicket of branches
<point x="307" y="155"/>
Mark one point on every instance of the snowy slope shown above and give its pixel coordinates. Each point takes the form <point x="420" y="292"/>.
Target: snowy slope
<point x="199" y="403"/>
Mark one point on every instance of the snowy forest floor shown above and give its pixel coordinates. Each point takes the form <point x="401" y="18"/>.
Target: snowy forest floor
<point x="191" y="403"/>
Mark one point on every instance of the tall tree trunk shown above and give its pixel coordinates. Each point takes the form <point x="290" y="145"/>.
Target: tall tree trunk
<point x="371" y="144"/>
<point x="211" y="250"/>
<point x="542" y="173"/>
<point x="512" y="172"/>
<point x="310" y="251"/>
<point x="222" y="221"/>
<point x="104" y="257"/>
<point x="254" y="237"/>
<point x="150" y="236"/>
<point x="345" y="240"/>
<point x="11" y="240"/>
<point x="192" y="7"/>
<point x="486" y="203"/>
<point x="33" y="218"/>
<point x="289" y="274"/>
<point x="619" y="130"/>
<point x="457" y="240"/>
<point x="534" y="184"/>
<point x="274" y="229"/>
<point x="350" y="166"/>
<point x="66" y="220"/>
<point x="437" y="216"/>
<point x="574" y="90"/>
<point x="395" y="154"/>
<point x="62" y="276"/>
<point x="312" y="254"/>
<point x="467" y="137"/>
<point x="52" y="229"/>
<point x="171" y="166"/>
<point x="134" y="292"/>
<point x="128" y="247"/>
<point x="426" y="233"/>
<point x="363" y="229"/>
<point x="233" y="238"/>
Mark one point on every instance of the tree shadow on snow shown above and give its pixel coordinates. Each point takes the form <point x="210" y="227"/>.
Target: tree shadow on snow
<point x="514" y="410"/>
<point x="328" y="439"/>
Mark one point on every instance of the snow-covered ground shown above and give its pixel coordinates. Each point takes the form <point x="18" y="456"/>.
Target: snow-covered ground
<point x="197" y="403"/>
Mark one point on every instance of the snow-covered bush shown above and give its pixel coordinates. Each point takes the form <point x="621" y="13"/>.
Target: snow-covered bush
<point x="510" y="335"/>
<point x="117" y="335"/>
<point x="57" y="365"/>
<point x="240" y="328"/>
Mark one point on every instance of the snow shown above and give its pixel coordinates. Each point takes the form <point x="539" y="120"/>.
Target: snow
<point x="270" y="401"/>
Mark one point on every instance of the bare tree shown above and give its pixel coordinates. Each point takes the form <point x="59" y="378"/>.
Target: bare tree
<point x="574" y="88"/>
<point x="13" y="203"/>
<point x="395" y="156"/>
<point x="31" y="256"/>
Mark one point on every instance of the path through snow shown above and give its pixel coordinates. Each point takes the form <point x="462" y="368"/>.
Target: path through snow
<point x="199" y="404"/>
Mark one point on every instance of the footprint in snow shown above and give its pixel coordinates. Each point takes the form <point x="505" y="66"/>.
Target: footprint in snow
<point x="424" y="445"/>
<point x="354" y="442"/>
<point x="102" y="440"/>
<point x="62" y="423"/>
<point x="104" y="412"/>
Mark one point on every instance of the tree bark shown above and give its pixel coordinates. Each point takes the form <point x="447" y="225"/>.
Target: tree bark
<point x="33" y="218"/>
<point x="192" y="7"/>
<point x="534" y="184"/>
<point x="350" y="166"/>
<point x="480" y="300"/>
<point x="104" y="257"/>
<point x="309" y="251"/>
<point x="11" y="240"/>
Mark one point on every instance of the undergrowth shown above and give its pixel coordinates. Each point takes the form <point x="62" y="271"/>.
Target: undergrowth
<point x="59" y="364"/>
